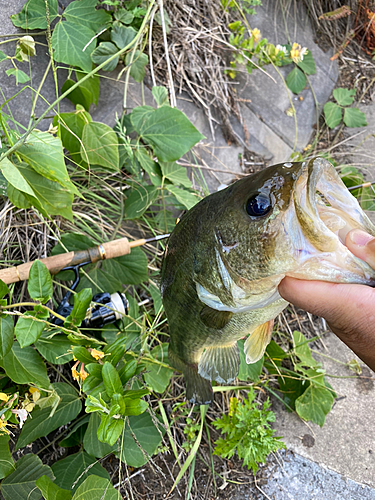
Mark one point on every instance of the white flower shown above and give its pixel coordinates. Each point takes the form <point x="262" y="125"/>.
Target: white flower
<point x="281" y="48"/>
<point x="22" y="416"/>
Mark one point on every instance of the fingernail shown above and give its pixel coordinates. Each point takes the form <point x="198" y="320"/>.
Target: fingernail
<point x="360" y="238"/>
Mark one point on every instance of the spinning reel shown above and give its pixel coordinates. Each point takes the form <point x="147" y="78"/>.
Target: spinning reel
<point x="108" y="308"/>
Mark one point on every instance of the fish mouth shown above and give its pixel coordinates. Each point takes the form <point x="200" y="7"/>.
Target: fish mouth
<point x="326" y="212"/>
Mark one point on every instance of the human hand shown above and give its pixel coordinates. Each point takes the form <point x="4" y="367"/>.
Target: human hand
<point x="348" y="309"/>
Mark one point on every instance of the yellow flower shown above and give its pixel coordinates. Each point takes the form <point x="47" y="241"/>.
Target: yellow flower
<point x="256" y="34"/>
<point x="96" y="354"/>
<point x="75" y="373"/>
<point x="81" y="375"/>
<point x="3" y="397"/>
<point x="3" y="424"/>
<point x="297" y="52"/>
<point x="35" y="393"/>
<point x="82" y="372"/>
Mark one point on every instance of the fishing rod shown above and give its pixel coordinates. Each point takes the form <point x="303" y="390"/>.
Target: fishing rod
<point x="364" y="185"/>
<point x="57" y="263"/>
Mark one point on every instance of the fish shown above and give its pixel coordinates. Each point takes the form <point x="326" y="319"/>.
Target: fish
<point x="226" y="257"/>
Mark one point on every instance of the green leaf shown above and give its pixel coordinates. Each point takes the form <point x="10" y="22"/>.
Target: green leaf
<point x="137" y="68"/>
<point x="148" y="164"/>
<point x="140" y="115"/>
<point x="156" y="299"/>
<point x="82" y="354"/>
<point x="54" y="348"/>
<point x="83" y="13"/>
<point x="248" y="372"/>
<point x="175" y="173"/>
<point x="103" y="52"/>
<point x="332" y="114"/>
<point x="21" y="76"/>
<point x="69" y="40"/>
<point x="4" y="290"/>
<point x="122" y="36"/>
<point x="302" y="349"/>
<point x="42" y="424"/>
<point x="161" y="96"/>
<point x="91" y="442"/>
<point x="111" y="379"/>
<point x="138" y="201"/>
<point x="3" y="56"/>
<point x="296" y="80"/>
<point x="51" y="491"/>
<point x="314" y="404"/>
<point x="92" y="84"/>
<point x="96" y="488"/>
<point x="28" y="330"/>
<point x="20" y="199"/>
<point x="147" y="436"/>
<point x="6" y="460"/>
<point x="186" y="198"/>
<point x="344" y="97"/>
<point x="40" y="282"/>
<point x="76" y="435"/>
<point x="353" y="117"/>
<point x="69" y="469"/>
<point x="51" y="197"/>
<point x="6" y="334"/>
<point x="291" y="388"/>
<point x="124" y="16"/>
<point x="156" y="376"/>
<point x="71" y="129"/>
<point x="100" y="145"/>
<point x="82" y="301"/>
<point x="20" y="484"/>
<point x="14" y="177"/>
<point x="33" y="15"/>
<point x="307" y="64"/>
<point x="25" y="366"/>
<point x="110" y="429"/>
<point x="80" y="95"/>
<point x="44" y="153"/>
<point x="168" y="131"/>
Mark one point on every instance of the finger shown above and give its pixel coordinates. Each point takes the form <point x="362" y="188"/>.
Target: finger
<point x="348" y="309"/>
<point x="362" y="245"/>
<point x="329" y="300"/>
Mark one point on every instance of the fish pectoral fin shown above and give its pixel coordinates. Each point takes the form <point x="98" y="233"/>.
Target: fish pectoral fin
<point x="215" y="319"/>
<point x="220" y="363"/>
<point x="257" y="342"/>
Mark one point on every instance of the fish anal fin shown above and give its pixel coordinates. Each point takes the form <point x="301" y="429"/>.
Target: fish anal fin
<point x="220" y="363"/>
<point x="215" y="319"/>
<point x="257" y="342"/>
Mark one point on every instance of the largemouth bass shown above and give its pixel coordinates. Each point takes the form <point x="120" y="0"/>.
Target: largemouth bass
<point x="226" y="257"/>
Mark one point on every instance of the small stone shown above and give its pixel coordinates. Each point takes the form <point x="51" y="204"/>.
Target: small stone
<point x="308" y="441"/>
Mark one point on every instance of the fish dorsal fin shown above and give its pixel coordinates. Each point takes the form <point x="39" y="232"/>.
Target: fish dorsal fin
<point x="215" y="319"/>
<point x="257" y="342"/>
<point x="220" y="363"/>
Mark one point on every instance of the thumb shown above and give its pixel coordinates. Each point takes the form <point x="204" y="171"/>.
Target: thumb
<point x="362" y="245"/>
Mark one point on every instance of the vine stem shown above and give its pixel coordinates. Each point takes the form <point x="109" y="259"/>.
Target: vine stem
<point x="77" y="84"/>
<point x="32" y="304"/>
<point x="171" y="86"/>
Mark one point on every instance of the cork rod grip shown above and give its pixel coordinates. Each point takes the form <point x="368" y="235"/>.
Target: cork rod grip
<point x="54" y="264"/>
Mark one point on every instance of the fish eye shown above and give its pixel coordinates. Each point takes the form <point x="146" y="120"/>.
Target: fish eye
<point x="258" y="205"/>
